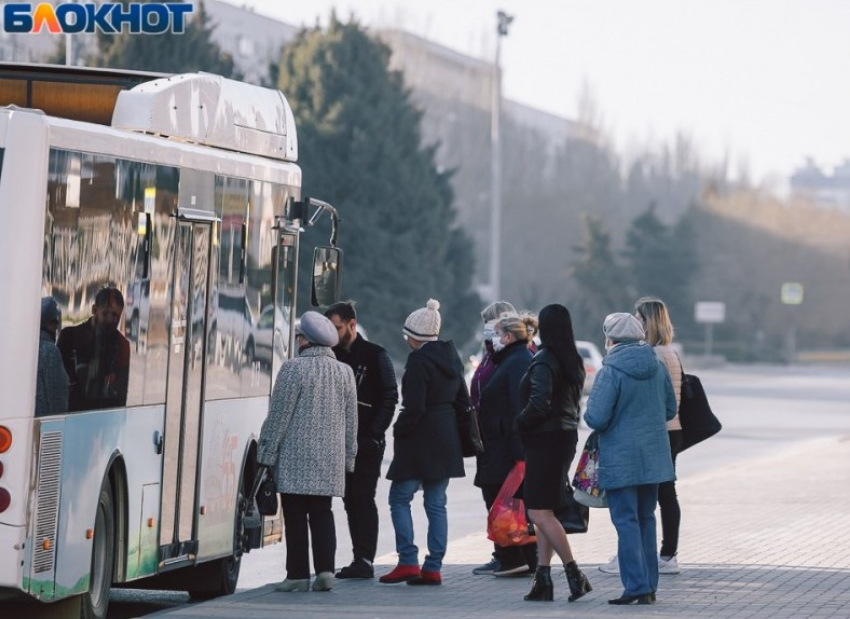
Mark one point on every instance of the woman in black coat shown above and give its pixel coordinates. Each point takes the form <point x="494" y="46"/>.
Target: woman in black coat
<point x="548" y="422"/>
<point x="426" y="450"/>
<point x="498" y="409"/>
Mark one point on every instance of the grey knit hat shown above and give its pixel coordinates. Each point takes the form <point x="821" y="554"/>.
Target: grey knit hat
<point x="622" y="327"/>
<point x="424" y="324"/>
<point x="318" y="329"/>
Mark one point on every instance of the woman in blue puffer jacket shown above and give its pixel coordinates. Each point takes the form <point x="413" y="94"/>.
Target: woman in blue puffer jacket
<point x="631" y="401"/>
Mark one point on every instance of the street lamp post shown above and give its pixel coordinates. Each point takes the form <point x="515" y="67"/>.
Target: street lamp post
<point x="503" y="21"/>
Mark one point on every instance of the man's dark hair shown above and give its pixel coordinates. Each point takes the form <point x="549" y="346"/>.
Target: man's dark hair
<point x="343" y="309"/>
<point x="105" y="295"/>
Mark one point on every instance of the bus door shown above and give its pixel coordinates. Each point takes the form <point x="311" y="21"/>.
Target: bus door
<point x="185" y="389"/>
<point x="285" y="279"/>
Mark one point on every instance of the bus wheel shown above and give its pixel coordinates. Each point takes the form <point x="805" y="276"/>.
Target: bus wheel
<point x="94" y="603"/>
<point x="219" y="577"/>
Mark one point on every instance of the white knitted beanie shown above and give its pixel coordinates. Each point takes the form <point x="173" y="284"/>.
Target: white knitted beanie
<point x="424" y="324"/>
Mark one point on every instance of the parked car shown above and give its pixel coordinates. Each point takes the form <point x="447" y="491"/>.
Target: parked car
<point x="592" y="363"/>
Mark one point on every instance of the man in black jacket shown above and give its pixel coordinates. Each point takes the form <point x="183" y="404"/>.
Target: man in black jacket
<point x="377" y="396"/>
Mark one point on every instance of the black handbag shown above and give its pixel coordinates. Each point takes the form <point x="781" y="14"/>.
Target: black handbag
<point x="695" y="415"/>
<point x="468" y="427"/>
<point x="266" y="495"/>
<point x="573" y="516"/>
<point x="471" y="443"/>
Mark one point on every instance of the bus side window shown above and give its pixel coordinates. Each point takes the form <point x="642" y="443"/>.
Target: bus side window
<point x="228" y="305"/>
<point x="256" y="369"/>
<point x="97" y="241"/>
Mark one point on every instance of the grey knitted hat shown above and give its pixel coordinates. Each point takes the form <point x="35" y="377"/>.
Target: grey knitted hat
<point x="622" y="327"/>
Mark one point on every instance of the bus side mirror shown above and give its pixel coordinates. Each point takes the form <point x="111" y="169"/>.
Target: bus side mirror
<point x="327" y="276"/>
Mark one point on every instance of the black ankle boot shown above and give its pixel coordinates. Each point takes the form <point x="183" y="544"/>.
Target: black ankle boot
<point x="579" y="585"/>
<point x="645" y="598"/>
<point x="542" y="589"/>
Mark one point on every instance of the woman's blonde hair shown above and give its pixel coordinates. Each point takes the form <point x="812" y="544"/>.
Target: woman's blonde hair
<point x="495" y="310"/>
<point x="656" y="321"/>
<point x="523" y="326"/>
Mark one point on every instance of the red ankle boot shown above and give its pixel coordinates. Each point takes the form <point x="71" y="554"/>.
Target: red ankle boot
<point x="401" y="573"/>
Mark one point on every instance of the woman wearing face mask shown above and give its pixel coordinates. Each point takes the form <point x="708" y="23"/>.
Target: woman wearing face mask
<point x="482" y="374"/>
<point x="486" y="368"/>
<point x="498" y="408"/>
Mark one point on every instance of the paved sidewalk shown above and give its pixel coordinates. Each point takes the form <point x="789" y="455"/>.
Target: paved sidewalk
<point x="766" y="539"/>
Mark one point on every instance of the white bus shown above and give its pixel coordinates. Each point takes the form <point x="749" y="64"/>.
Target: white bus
<point x="186" y="210"/>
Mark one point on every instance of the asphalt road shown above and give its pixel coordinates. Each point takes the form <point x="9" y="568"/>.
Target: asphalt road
<point x="764" y="409"/>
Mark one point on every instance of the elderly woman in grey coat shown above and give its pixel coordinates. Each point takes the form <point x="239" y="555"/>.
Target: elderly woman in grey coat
<point x="631" y="402"/>
<point x="309" y="441"/>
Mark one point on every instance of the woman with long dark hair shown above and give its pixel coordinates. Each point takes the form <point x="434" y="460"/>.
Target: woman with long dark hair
<point x="550" y="395"/>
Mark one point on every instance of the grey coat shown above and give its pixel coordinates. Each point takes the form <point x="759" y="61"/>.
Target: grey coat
<point x="309" y="438"/>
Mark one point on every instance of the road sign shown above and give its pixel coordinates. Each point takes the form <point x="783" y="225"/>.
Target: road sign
<point x="791" y="293"/>
<point x="709" y="311"/>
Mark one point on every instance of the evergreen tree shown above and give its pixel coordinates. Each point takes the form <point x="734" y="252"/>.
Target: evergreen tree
<point x="662" y="261"/>
<point x="602" y="284"/>
<point x="193" y="50"/>
<point x="361" y="149"/>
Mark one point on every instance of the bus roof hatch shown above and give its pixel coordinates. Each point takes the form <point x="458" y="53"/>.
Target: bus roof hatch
<point x="208" y="109"/>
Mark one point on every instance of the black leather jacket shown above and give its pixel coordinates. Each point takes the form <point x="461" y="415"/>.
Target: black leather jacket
<point x="548" y="402"/>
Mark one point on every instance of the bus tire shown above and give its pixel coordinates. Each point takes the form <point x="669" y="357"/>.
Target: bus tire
<point x="95" y="602"/>
<point x="219" y="577"/>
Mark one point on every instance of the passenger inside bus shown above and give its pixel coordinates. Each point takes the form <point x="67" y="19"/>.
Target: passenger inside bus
<point x="97" y="356"/>
<point x="51" y="391"/>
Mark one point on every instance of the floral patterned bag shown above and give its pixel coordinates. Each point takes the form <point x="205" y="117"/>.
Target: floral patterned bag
<point x="586" y="479"/>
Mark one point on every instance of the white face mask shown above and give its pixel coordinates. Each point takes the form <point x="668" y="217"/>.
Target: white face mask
<point x="497" y="342"/>
<point x="609" y="346"/>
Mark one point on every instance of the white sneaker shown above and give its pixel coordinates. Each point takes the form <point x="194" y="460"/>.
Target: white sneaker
<point x="290" y="586"/>
<point x="612" y="567"/>
<point x="670" y="566"/>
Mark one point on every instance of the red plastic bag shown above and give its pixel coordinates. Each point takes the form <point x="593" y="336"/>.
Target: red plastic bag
<point x="507" y="524"/>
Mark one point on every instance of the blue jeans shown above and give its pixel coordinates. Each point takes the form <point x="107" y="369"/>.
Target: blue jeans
<point x="401" y="495"/>
<point x="633" y="515"/>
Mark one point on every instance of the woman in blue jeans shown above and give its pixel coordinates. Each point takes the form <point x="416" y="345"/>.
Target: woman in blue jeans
<point x="426" y="451"/>
<point x="631" y="401"/>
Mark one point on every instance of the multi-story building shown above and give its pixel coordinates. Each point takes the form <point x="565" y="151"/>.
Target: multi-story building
<point x="828" y="190"/>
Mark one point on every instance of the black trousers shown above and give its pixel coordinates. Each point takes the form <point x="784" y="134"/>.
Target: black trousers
<point x="509" y="555"/>
<point x="300" y="512"/>
<point x="671" y="514"/>
<point x="359" y="499"/>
